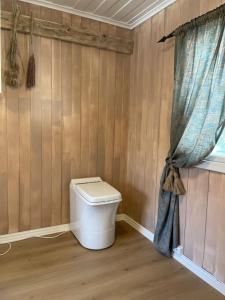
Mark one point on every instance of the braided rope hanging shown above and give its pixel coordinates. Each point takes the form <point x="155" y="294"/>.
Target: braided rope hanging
<point x="13" y="74"/>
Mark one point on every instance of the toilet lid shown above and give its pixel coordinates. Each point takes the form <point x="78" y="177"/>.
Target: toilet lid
<point x="96" y="192"/>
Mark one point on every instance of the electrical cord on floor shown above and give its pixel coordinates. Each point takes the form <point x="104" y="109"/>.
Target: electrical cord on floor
<point x="7" y="251"/>
<point x="50" y="237"/>
<point x="41" y="237"/>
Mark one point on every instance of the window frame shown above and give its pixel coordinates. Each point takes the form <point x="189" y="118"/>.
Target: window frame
<point x="213" y="163"/>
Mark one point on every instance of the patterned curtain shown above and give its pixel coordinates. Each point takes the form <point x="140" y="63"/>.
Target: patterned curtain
<point x="198" y="115"/>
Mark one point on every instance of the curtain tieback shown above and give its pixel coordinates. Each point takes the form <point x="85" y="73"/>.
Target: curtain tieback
<point x="173" y="183"/>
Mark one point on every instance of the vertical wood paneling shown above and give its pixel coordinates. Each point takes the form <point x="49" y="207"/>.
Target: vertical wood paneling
<point x="94" y="112"/>
<point x="131" y="136"/>
<point x="24" y="131"/>
<point x="140" y="127"/>
<point x="119" y="115"/>
<point x="121" y="119"/>
<point x="5" y="5"/>
<point x="197" y="201"/>
<point x="172" y="20"/>
<point x="46" y="96"/>
<point x="49" y="134"/>
<point x="56" y="132"/>
<point x="89" y="104"/>
<point x="214" y="259"/>
<point x="124" y="130"/>
<point x="206" y="5"/>
<point x="67" y="130"/>
<point x="93" y="99"/>
<point x="76" y="105"/>
<point x="184" y="173"/>
<point x="198" y="220"/>
<point x="36" y="143"/>
<point x="13" y="151"/>
<point x="153" y="110"/>
<point x="13" y="160"/>
<point x="106" y="101"/>
<point x="66" y="81"/>
<point x="144" y="117"/>
<point x="121" y="125"/>
<point x="188" y="10"/>
<point x="89" y="111"/>
<point x="195" y="222"/>
<point x="24" y="148"/>
<point x="106" y="113"/>
<point x="3" y="147"/>
<point x="130" y="142"/>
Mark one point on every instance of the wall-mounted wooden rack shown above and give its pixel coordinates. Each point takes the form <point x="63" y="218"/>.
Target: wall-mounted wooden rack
<point x="69" y="34"/>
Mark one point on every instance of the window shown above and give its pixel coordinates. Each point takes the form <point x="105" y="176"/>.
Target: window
<point x="218" y="153"/>
<point x="216" y="160"/>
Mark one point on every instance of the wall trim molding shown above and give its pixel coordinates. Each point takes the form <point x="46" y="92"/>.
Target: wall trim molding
<point x="178" y="256"/>
<point x="18" y="236"/>
<point x="141" y="229"/>
<point x="200" y="272"/>
<point x="155" y="8"/>
<point x="121" y="217"/>
<point x="22" y="235"/>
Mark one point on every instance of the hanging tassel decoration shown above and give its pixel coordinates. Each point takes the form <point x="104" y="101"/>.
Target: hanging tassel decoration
<point x="31" y="72"/>
<point x="30" y="82"/>
<point x="178" y="188"/>
<point x="173" y="182"/>
<point x="169" y="181"/>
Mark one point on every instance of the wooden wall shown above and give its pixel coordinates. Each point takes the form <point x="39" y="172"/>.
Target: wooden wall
<point x="72" y="124"/>
<point x="202" y="211"/>
<point x="80" y="121"/>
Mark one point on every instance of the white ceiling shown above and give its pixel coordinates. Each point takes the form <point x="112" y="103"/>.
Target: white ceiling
<point x="123" y="13"/>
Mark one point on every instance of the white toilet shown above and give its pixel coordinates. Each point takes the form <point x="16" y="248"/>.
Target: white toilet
<point x="93" y="206"/>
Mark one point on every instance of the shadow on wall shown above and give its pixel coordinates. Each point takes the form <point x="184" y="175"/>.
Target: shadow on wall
<point x="137" y="205"/>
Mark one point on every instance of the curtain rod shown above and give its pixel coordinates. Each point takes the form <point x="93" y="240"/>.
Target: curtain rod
<point x="210" y="15"/>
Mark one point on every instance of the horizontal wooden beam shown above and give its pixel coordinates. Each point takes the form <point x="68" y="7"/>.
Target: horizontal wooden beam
<point x="68" y="34"/>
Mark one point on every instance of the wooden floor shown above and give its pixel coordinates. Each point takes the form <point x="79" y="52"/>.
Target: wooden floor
<point x="62" y="269"/>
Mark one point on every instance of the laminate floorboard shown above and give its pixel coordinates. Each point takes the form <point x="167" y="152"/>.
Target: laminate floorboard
<point x="131" y="269"/>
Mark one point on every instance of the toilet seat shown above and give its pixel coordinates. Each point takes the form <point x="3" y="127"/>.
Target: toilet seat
<point x="97" y="192"/>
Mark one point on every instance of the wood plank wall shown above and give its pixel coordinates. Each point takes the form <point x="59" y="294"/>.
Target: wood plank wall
<point x="75" y="123"/>
<point x="72" y="124"/>
<point x="202" y="211"/>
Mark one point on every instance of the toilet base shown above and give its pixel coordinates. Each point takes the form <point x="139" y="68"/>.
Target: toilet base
<point x="95" y="240"/>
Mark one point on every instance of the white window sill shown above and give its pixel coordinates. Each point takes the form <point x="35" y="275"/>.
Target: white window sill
<point x="213" y="165"/>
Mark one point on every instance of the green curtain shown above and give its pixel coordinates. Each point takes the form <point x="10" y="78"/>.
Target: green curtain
<point x="198" y="115"/>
